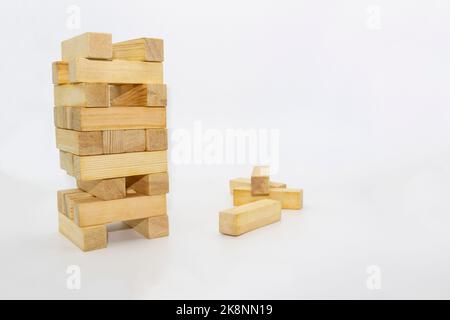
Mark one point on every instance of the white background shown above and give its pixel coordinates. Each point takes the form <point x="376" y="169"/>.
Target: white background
<point x="362" y="106"/>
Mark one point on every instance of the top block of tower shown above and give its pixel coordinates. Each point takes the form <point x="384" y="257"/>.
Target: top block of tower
<point x="142" y="49"/>
<point x="92" y="45"/>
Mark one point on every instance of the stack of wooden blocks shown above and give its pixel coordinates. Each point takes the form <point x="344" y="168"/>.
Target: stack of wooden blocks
<point x="258" y="202"/>
<point x="110" y="118"/>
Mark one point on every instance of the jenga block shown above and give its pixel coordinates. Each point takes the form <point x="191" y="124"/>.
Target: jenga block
<point x="138" y="95"/>
<point x="72" y="198"/>
<point x="98" y="119"/>
<point x="149" y="184"/>
<point x="289" y="198"/>
<point x="82" y="95"/>
<point x="91" y="45"/>
<point x="115" y="71"/>
<point x="153" y="227"/>
<point x="80" y="142"/>
<point x="61" y="199"/>
<point x="134" y="206"/>
<point x="118" y="165"/>
<point x="143" y="49"/>
<point x="118" y="141"/>
<point x="245" y="182"/>
<point x="66" y="162"/>
<point x="60" y="72"/>
<point x="156" y="139"/>
<point x="88" y="238"/>
<point x="248" y="217"/>
<point x="260" y="180"/>
<point x="106" y="189"/>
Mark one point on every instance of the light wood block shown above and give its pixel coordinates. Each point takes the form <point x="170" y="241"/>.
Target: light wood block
<point x="115" y="71"/>
<point x="245" y="182"/>
<point x="60" y="72"/>
<point x="82" y="95"/>
<point x="260" y="180"/>
<point x="91" y="45"/>
<point x="99" y="119"/>
<point x="156" y="139"/>
<point x="72" y="198"/>
<point x="61" y="199"/>
<point x="248" y="217"/>
<point x="118" y="141"/>
<point x="149" y="184"/>
<point x="143" y="49"/>
<point x="134" y="206"/>
<point x="88" y="238"/>
<point x="66" y="162"/>
<point x="290" y="198"/>
<point x="151" y="228"/>
<point x="138" y="95"/>
<point x="105" y="189"/>
<point x="81" y="143"/>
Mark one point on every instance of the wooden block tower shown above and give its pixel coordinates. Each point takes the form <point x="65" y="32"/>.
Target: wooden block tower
<point x="110" y="117"/>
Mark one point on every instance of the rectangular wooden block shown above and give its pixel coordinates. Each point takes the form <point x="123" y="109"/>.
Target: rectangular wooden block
<point x="156" y="139"/>
<point x="88" y="238"/>
<point x="149" y="184"/>
<point x="105" y="189"/>
<point x="79" y="142"/>
<point x="143" y="49"/>
<point x="117" y="165"/>
<point x="61" y="199"/>
<point x="60" y="72"/>
<point x="91" y="45"/>
<point x="134" y="206"/>
<point x="138" y="95"/>
<point x="72" y="198"/>
<point x="248" y="217"/>
<point x="82" y="95"/>
<point x="152" y="227"/>
<point x="245" y="182"/>
<point x="99" y="119"/>
<point x="289" y="198"/>
<point x="260" y="180"/>
<point x="66" y="162"/>
<point x="118" y="141"/>
<point x="115" y="71"/>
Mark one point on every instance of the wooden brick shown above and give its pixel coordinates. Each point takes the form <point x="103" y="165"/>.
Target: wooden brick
<point x="91" y="45"/>
<point x="82" y="95"/>
<point x="245" y="182"/>
<point x="138" y="95"/>
<point x="66" y="162"/>
<point x="80" y="142"/>
<point x="156" y="139"/>
<point x="149" y="184"/>
<point x="60" y="72"/>
<point x="105" y="189"/>
<point x="71" y="199"/>
<point x="152" y="227"/>
<point x="260" y="180"/>
<point x="61" y="199"/>
<point x="143" y="49"/>
<point x="289" y="198"/>
<point x="118" y="141"/>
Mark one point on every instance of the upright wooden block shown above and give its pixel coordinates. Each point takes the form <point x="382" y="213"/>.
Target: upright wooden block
<point x="156" y="139"/>
<point x="245" y="182"/>
<point x="91" y="45"/>
<point x="289" y="198"/>
<point x="106" y="189"/>
<point x="118" y="141"/>
<point x="149" y="184"/>
<point x="82" y="95"/>
<point x="143" y="49"/>
<point x="81" y="143"/>
<point x="115" y="71"/>
<point x="260" y="180"/>
<point x="88" y="238"/>
<point x="152" y="227"/>
<point x="60" y="72"/>
<point x="61" y="199"/>
<point x="138" y="95"/>
<point x="248" y="217"/>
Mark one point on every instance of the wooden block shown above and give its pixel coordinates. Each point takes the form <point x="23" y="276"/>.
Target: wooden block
<point x="61" y="199"/>
<point x="138" y="95"/>
<point x="72" y="198"/>
<point x="134" y="206"/>
<point x="60" y="72"/>
<point x="248" y="217"/>
<point x="119" y="165"/>
<point x="91" y="45"/>
<point x="289" y="198"/>
<point x="245" y="182"/>
<point x="82" y="95"/>
<point x="118" y="141"/>
<point x="115" y="71"/>
<point x="156" y="139"/>
<point x="143" y="49"/>
<point x="149" y="184"/>
<point x="80" y="142"/>
<point x="88" y="238"/>
<point x="260" y="180"/>
<point x="153" y="227"/>
<point x="106" y="189"/>
<point x="99" y="119"/>
<point x="66" y="162"/>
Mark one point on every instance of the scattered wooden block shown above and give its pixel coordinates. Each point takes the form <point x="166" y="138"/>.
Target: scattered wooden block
<point x="99" y="119"/>
<point x="61" y="199"/>
<point x="156" y="139"/>
<point x="88" y="238"/>
<point x="245" y="182"/>
<point x="115" y="71"/>
<point x="149" y="184"/>
<point x="152" y="227"/>
<point x="106" y="189"/>
<point x="60" y="72"/>
<point x="134" y="206"/>
<point x="82" y="95"/>
<point x="91" y="45"/>
<point x="289" y="198"/>
<point x="81" y="143"/>
<point x="138" y="95"/>
<point x="143" y="49"/>
<point x="248" y="217"/>
<point x="260" y="180"/>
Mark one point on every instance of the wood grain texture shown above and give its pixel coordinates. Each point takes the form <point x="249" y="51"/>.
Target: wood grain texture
<point x="142" y="49"/>
<point x="248" y="217"/>
<point x="60" y="72"/>
<point x="71" y="199"/>
<point x="61" y="199"/>
<point x="245" y="182"/>
<point x="118" y="141"/>
<point x="149" y="184"/>
<point x="66" y="162"/>
<point x="93" y="45"/>
<point x="87" y="95"/>
<point x="156" y="139"/>
<point x="290" y="198"/>
<point x="260" y="180"/>
<point x="152" y="227"/>
<point x="80" y="142"/>
<point x="104" y="189"/>
<point x="138" y="95"/>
